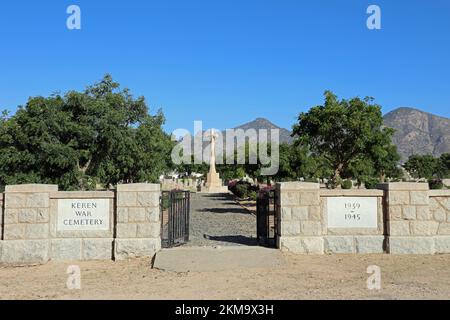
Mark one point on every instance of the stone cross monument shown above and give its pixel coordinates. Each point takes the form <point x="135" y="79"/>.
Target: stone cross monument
<point x="212" y="158"/>
<point x="213" y="181"/>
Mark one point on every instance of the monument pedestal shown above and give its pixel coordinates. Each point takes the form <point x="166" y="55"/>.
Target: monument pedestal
<point x="213" y="184"/>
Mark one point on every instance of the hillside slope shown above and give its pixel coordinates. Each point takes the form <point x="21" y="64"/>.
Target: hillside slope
<point x="419" y="132"/>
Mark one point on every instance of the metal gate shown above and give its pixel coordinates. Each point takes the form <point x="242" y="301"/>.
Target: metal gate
<point x="175" y="206"/>
<point x="266" y="218"/>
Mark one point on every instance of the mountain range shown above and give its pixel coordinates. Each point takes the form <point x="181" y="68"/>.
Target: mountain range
<point x="419" y="132"/>
<point x="416" y="131"/>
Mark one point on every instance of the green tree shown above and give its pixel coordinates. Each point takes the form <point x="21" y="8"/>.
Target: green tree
<point x="187" y="169"/>
<point x="423" y="166"/>
<point x="445" y="165"/>
<point x="77" y="140"/>
<point x="297" y="163"/>
<point x="349" y="135"/>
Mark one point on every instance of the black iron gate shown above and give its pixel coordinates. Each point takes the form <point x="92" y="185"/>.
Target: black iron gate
<point x="175" y="206"/>
<point x="266" y="218"/>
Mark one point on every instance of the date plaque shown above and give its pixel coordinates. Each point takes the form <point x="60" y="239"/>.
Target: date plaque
<point x="352" y="212"/>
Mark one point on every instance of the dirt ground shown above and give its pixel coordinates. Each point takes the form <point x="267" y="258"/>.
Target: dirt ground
<point x="302" y="277"/>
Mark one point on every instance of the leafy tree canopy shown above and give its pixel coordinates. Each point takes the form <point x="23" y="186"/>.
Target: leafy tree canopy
<point x="428" y="167"/>
<point x="297" y="163"/>
<point x="102" y="135"/>
<point x="349" y="135"/>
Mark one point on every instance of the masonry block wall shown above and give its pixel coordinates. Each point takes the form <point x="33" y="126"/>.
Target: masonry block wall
<point x="440" y="212"/>
<point x="81" y="245"/>
<point x="300" y="227"/>
<point x="2" y="217"/>
<point x="354" y="240"/>
<point x="26" y="223"/>
<point x="31" y="231"/>
<point x="1" y="220"/>
<point x="417" y="219"/>
<point x="138" y="231"/>
<point x="411" y="219"/>
<point x="303" y="225"/>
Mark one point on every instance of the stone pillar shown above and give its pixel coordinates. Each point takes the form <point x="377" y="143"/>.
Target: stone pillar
<point x="409" y="225"/>
<point x="1" y="225"/>
<point x="138" y="228"/>
<point x="300" y="226"/>
<point x="26" y="223"/>
<point x="1" y="221"/>
<point x="440" y="211"/>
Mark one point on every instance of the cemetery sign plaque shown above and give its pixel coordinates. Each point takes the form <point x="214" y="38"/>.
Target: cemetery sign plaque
<point x="83" y="214"/>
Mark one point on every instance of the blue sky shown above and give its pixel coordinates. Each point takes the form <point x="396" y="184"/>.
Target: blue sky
<point x="229" y="62"/>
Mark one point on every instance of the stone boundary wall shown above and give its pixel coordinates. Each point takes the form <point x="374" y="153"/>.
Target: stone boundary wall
<point x="180" y="184"/>
<point x="411" y="219"/>
<point x="81" y="245"/>
<point x="417" y="219"/>
<point x="138" y="230"/>
<point x="1" y="219"/>
<point x="303" y="225"/>
<point x="354" y="240"/>
<point x="30" y="230"/>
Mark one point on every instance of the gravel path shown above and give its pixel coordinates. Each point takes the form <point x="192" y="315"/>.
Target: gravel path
<point x="217" y="220"/>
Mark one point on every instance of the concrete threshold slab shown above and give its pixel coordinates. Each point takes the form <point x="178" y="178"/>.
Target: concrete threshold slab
<point x="200" y="259"/>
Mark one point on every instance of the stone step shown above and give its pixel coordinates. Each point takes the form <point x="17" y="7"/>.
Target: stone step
<point x="200" y="259"/>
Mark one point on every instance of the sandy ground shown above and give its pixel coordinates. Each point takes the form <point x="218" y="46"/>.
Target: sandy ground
<point x="302" y="277"/>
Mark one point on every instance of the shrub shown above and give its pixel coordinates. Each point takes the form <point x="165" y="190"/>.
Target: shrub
<point x="371" y="183"/>
<point x="252" y="195"/>
<point x="232" y="184"/>
<point x="346" y="184"/>
<point x="333" y="183"/>
<point x="436" y="184"/>
<point x="241" y="190"/>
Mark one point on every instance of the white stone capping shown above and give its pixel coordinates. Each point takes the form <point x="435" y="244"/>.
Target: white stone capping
<point x="138" y="187"/>
<point x="82" y="195"/>
<point x="31" y="188"/>
<point x="439" y="193"/>
<point x="404" y="186"/>
<point x="351" y="193"/>
<point x="287" y="186"/>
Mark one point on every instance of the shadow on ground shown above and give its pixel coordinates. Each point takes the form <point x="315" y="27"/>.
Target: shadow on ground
<point x="219" y="196"/>
<point x="243" y="240"/>
<point x="225" y="210"/>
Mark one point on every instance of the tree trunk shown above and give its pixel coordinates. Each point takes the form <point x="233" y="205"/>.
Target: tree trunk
<point x="83" y="170"/>
<point x="337" y="172"/>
